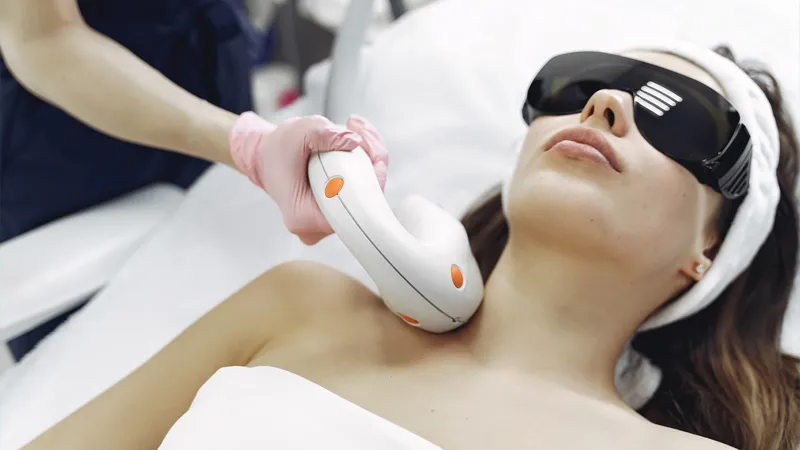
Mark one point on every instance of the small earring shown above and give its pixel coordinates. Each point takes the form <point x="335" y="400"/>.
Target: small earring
<point x="700" y="269"/>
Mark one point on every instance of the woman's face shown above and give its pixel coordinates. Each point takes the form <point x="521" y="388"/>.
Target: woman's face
<point x="648" y="214"/>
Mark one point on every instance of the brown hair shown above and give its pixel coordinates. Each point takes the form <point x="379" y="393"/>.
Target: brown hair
<point x="724" y="376"/>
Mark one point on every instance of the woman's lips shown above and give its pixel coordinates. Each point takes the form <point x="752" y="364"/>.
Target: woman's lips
<point x="584" y="143"/>
<point x="577" y="150"/>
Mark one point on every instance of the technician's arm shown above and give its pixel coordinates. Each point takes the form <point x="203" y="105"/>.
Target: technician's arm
<point x="55" y="55"/>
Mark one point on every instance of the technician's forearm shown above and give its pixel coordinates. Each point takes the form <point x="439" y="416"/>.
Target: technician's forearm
<point x="104" y="85"/>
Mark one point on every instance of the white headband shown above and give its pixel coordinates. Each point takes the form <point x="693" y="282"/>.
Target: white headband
<point x="636" y="378"/>
<point x="753" y="221"/>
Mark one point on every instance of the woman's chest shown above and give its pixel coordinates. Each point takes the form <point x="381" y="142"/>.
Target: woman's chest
<point x="456" y="406"/>
<point x="458" y="412"/>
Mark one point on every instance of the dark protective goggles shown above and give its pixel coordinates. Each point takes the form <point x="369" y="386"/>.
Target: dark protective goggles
<point x="679" y="116"/>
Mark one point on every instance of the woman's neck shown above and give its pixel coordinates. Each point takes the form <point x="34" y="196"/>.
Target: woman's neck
<point x="560" y="317"/>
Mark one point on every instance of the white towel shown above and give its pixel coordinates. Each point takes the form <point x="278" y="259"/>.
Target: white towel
<point x="254" y="408"/>
<point x="637" y="379"/>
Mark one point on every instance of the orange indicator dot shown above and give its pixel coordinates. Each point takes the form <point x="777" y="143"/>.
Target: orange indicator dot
<point x="457" y="276"/>
<point x="333" y="187"/>
<point x="410" y="320"/>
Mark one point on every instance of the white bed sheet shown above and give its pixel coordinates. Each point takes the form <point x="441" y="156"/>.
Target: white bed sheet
<point x="444" y="86"/>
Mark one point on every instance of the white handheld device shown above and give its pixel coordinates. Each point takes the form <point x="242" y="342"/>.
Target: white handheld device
<point x="418" y="255"/>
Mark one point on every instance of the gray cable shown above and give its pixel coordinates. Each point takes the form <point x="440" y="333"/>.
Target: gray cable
<point x="345" y="68"/>
<point x="398" y="8"/>
<point x="289" y="38"/>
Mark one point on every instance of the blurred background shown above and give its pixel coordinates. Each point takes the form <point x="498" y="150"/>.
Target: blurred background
<point x="292" y="35"/>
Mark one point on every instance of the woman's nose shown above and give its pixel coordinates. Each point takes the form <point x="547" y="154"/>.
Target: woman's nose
<point x="608" y="107"/>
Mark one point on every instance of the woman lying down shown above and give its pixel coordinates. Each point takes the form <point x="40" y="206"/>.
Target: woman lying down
<point x="642" y="204"/>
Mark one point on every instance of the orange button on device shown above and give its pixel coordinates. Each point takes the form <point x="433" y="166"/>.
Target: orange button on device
<point x="457" y="276"/>
<point x="410" y="320"/>
<point x="333" y="187"/>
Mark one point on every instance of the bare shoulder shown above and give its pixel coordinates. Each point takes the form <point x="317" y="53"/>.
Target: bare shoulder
<point x="323" y="316"/>
<point x="679" y="440"/>
<point x="304" y="293"/>
<point x="309" y="284"/>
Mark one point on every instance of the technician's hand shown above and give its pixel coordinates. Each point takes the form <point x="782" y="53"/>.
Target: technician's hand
<point x="276" y="158"/>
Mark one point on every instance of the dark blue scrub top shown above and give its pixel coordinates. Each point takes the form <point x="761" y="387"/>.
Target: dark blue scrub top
<point x="52" y="165"/>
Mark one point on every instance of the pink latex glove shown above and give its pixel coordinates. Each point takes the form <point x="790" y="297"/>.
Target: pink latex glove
<point x="276" y="157"/>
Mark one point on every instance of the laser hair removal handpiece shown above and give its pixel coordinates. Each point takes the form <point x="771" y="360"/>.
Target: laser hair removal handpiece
<point x="418" y="255"/>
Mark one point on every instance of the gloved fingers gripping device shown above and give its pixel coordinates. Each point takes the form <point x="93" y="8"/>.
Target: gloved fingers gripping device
<point x="417" y="254"/>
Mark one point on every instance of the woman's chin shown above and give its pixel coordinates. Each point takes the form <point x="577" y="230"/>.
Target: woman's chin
<point x="565" y="192"/>
<point x="554" y="207"/>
